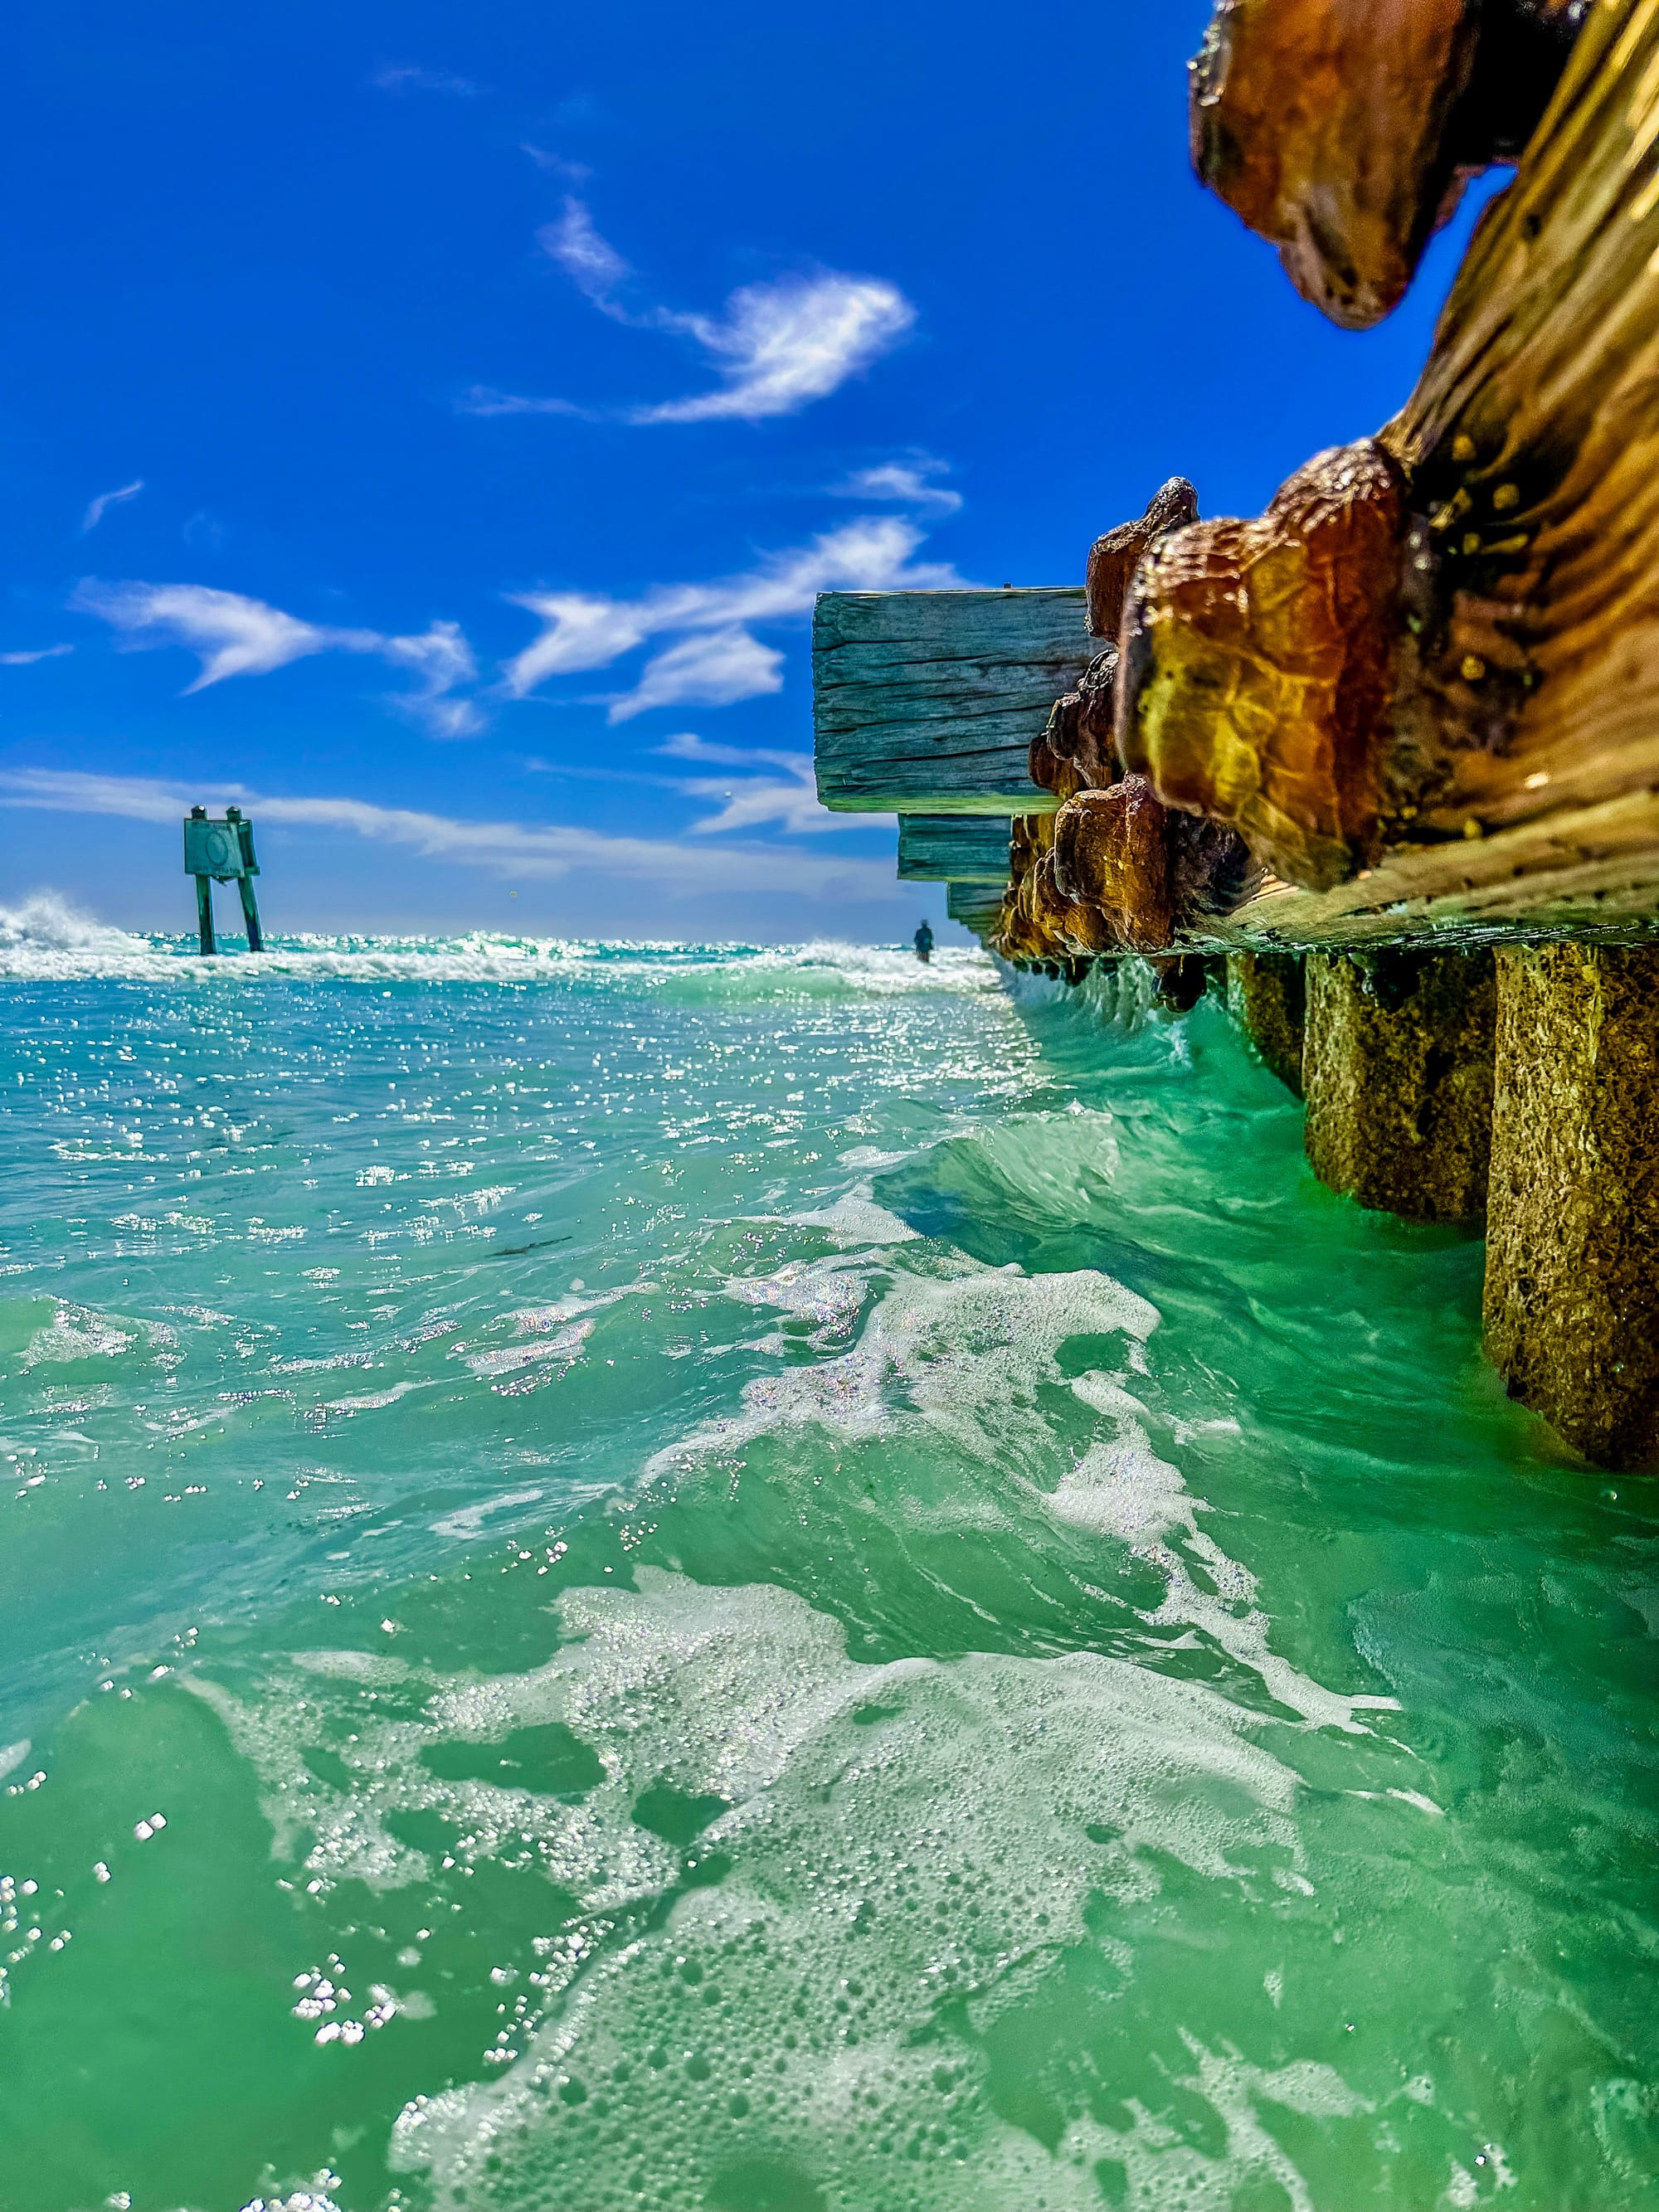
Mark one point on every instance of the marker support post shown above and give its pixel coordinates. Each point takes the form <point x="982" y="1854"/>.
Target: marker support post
<point x="222" y="852"/>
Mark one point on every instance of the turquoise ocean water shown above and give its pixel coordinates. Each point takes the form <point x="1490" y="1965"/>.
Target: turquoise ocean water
<point x="678" y="1578"/>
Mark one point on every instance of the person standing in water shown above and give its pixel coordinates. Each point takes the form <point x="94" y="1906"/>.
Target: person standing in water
<point x="923" y="944"/>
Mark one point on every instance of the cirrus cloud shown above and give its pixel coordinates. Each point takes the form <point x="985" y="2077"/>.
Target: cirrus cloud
<point x="720" y="660"/>
<point x="905" y="482"/>
<point x="99" y="508"/>
<point x="232" y="635"/>
<point x="774" y="346"/>
<point x="510" y="850"/>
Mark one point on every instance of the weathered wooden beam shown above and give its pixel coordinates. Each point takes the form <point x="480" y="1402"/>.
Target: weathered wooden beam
<point x="1114" y="556"/>
<point x="953" y="848"/>
<point x="927" y="702"/>
<point x="1588" y="872"/>
<point x="1426" y="683"/>
<point x="1573" y="1248"/>
<point x="1397" y="1070"/>
<point x="1257" y="663"/>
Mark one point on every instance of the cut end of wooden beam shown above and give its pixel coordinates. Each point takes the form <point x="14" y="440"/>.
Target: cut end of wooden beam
<point x="1078" y="749"/>
<point x="1111" y="863"/>
<point x="977" y="908"/>
<point x="1344" y="131"/>
<point x="1257" y="666"/>
<point x="1112" y="559"/>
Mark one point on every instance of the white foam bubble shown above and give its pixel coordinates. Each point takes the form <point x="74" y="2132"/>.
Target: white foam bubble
<point x="78" y="1333"/>
<point x="962" y="1353"/>
<point x="471" y="1518"/>
<point x="886" y="1869"/>
<point x="858" y="1219"/>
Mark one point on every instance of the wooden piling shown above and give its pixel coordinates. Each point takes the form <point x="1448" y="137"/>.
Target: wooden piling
<point x="1266" y="996"/>
<point x="1397" y="1063"/>
<point x="1572" y="1255"/>
<point x="204" y="936"/>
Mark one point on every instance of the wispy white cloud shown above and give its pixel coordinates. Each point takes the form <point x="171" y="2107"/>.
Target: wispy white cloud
<point x="689" y="745"/>
<point x="776" y="347"/>
<point x="485" y="400"/>
<point x="905" y="482"/>
<point x="592" y="262"/>
<point x="583" y="630"/>
<point x="573" y="172"/>
<point x="710" y="668"/>
<point x="28" y="659"/>
<point x="97" y="508"/>
<point x="511" y="850"/>
<point x="442" y="660"/>
<point x="790" y="800"/>
<point x="232" y="635"/>
<point x="406" y="76"/>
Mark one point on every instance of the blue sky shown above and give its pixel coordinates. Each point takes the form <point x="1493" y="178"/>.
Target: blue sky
<point x="431" y="424"/>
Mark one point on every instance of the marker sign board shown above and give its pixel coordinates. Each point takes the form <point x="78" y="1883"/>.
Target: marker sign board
<point x="222" y="850"/>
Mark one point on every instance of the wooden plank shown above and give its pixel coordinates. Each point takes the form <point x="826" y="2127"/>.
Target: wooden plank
<point x="1592" y="872"/>
<point x="926" y="702"/>
<point x="1533" y="443"/>
<point x="953" y="848"/>
<point x="974" y="906"/>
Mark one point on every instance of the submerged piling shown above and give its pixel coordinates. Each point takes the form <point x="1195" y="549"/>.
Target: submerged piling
<point x="1572" y="1253"/>
<point x="1398" y="1068"/>
<point x="1266" y="996"/>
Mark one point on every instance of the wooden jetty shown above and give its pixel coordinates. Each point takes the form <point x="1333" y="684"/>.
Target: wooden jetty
<point x="1390" y="750"/>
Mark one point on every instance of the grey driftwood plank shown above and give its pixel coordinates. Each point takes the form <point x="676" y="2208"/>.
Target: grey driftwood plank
<point x="926" y="702"/>
<point x="953" y="848"/>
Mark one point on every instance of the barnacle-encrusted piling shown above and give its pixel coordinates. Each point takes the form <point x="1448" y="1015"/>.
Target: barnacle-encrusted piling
<point x="1572" y="1253"/>
<point x="1266" y="996"/>
<point x="1397" y="1064"/>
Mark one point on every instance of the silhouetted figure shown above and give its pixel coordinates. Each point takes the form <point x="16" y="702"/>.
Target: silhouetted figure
<point x="923" y="944"/>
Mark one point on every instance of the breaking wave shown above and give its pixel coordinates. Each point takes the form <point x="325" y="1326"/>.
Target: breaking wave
<point x="46" y="939"/>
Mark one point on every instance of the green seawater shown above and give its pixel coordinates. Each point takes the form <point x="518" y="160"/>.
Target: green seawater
<point x="770" y="1581"/>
